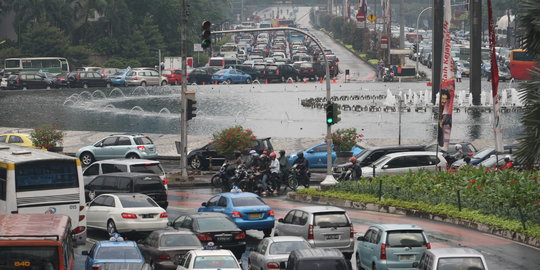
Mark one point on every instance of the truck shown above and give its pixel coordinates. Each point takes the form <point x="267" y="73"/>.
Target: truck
<point x="175" y="62"/>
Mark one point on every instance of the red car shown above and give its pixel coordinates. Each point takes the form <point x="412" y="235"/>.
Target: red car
<point x="174" y="76"/>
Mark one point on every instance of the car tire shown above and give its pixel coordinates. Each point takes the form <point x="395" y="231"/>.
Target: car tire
<point x="267" y="232"/>
<point x="143" y="84"/>
<point x="87" y="158"/>
<point x="229" y="81"/>
<point x="248" y="81"/>
<point x="216" y="181"/>
<point x="85" y="85"/>
<point x="108" y="85"/>
<point x="125" y="84"/>
<point x="132" y="156"/>
<point x="111" y="227"/>
<point x="358" y="264"/>
<point x="195" y="163"/>
<point x="373" y="267"/>
<point x="163" y="83"/>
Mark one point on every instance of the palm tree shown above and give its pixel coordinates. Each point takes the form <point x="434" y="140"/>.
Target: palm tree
<point x="529" y="149"/>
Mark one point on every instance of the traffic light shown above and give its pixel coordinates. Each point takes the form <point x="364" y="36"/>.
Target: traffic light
<point x="415" y="48"/>
<point x="206" y="36"/>
<point x="332" y="113"/>
<point x="191" y="108"/>
<point x="336" y="112"/>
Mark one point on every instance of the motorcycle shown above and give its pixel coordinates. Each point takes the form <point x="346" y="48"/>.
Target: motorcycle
<point x="346" y="174"/>
<point x="252" y="182"/>
<point x="296" y="177"/>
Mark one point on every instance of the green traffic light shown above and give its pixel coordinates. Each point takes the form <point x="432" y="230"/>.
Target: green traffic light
<point x="330" y="120"/>
<point x="206" y="43"/>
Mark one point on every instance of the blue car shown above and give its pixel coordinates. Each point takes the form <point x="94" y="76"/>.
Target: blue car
<point x="119" y="78"/>
<point x="126" y="253"/>
<point x="316" y="155"/>
<point x="247" y="210"/>
<point x="231" y="75"/>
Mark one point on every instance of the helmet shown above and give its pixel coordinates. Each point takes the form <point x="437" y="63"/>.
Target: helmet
<point x="300" y="154"/>
<point x="273" y="154"/>
<point x="253" y="152"/>
<point x="263" y="156"/>
<point x="507" y="158"/>
<point x="282" y="152"/>
<point x="352" y="159"/>
<point x="458" y="146"/>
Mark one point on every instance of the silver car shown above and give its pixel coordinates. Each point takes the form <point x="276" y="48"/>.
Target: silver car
<point x="118" y="146"/>
<point x="321" y="226"/>
<point x="143" y="77"/>
<point x="452" y="259"/>
<point x="404" y="162"/>
<point x="272" y="251"/>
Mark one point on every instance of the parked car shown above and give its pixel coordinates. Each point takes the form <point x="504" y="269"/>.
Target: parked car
<point x="149" y="184"/>
<point x="231" y="76"/>
<point x="22" y="139"/>
<point x="391" y="246"/>
<point x="125" y="213"/>
<point x="488" y="152"/>
<point x="305" y="70"/>
<point x="246" y="209"/>
<point x="404" y="162"/>
<point x="119" y="77"/>
<point x="209" y="259"/>
<point x="162" y="248"/>
<point x="61" y="80"/>
<point x="3" y="82"/>
<point x="452" y="259"/>
<point x="124" y="165"/>
<point x="317" y="156"/>
<point x="87" y="79"/>
<point x="248" y="69"/>
<point x="174" y="76"/>
<point x="321" y="226"/>
<point x="217" y="228"/>
<point x="142" y="77"/>
<point x="316" y="259"/>
<point x="202" y="75"/>
<point x="281" y="73"/>
<point x="118" y="146"/>
<point x="271" y="252"/>
<point x="468" y="148"/>
<point x="207" y="156"/>
<point x="28" y="80"/>
<point x="114" y="254"/>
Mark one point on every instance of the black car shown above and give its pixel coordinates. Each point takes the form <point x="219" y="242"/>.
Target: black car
<point x="60" y="80"/>
<point x="87" y="79"/>
<point x="207" y="156"/>
<point x="250" y="70"/>
<point x="202" y="75"/>
<point x="28" y="80"/>
<point x="214" y="227"/>
<point x="148" y="184"/>
<point x="280" y="73"/>
<point x="305" y="70"/>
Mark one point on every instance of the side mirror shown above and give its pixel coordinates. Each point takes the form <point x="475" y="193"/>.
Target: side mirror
<point x="84" y="252"/>
<point x="361" y="238"/>
<point x="203" y="204"/>
<point x="415" y="264"/>
<point x="280" y="220"/>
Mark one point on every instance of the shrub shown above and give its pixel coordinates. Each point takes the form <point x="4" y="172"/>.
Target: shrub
<point x="232" y="139"/>
<point x="345" y="138"/>
<point x="47" y="137"/>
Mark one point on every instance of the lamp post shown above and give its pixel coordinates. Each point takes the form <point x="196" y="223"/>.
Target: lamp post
<point x="417" y="46"/>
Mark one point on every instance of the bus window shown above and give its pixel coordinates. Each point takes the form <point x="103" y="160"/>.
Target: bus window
<point x="30" y="257"/>
<point x="45" y="175"/>
<point x="13" y="63"/>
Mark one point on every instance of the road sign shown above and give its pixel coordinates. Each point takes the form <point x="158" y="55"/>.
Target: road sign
<point x="197" y="47"/>
<point x="384" y="42"/>
<point x="371" y="17"/>
<point x="360" y="17"/>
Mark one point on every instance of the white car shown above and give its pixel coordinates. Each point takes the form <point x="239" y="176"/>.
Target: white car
<point x="451" y="258"/>
<point x="3" y="83"/>
<point x="222" y="259"/>
<point x="404" y="162"/>
<point x="272" y="251"/>
<point x="126" y="213"/>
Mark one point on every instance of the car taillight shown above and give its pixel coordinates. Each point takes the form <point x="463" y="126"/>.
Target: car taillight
<point x="164" y="215"/>
<point x="310" y="232"/>
<point x="470" y="154"/>
<point x="81" y="217"/>
<point x="141" y="147"/>
<point x="165" y="181"/>
<point x="164" y="257"/>
<point x="352" y="231"/>
<point x="277" y="71"/>
<point x="129" y="216"/>
<point x="236" y="214"/>
<point x="78" y="230"/>
<point x="272" y="265"/>
<point x="78" y="76"/>
<point x="81" y="207"/>
<point x="240" y="236"/>
<point x="96" y="267"/>
<point x="135" y="78"/>
<point x="271" y="213"/>
<point x="383" y="251"/>
<point x="428" y="245"/>
<point x="204" y="237"/>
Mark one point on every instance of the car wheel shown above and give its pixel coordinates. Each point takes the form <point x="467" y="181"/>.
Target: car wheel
<point x="216" y="181"/>
<point x="229" y="81"/>
<point x="111" y="227"/>
<point x="132" y="156"/>
<point x="143" y="84"/>
<point x="87" y="158"/>
<point x="163" y="83"/>
<point x="267" y="232"/>
<point x="125" y="84"/>
<point x="85" y="85"/>
<point x="195" y="163"/>
<point x="108" y="85"/>
<point x="358" y="264"/>
<point x="248" y="81"/>
<point x="373" y="267"/>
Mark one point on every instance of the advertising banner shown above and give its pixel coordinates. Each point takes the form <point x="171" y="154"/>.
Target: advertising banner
<point x="448" y="85"/>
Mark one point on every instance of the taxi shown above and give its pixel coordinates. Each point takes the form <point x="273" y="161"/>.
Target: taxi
<point x="22" y="139"/>
<point x="105" y="254"/>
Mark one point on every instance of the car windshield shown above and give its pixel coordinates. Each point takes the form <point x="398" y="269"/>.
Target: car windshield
<point x="484" y="153"/>
<point x="179" y="240"/>
<point x="287" y="247"/>
<point x="331" y="219"/>
<point x="405" y="238"/>
<point x="114" y="253"/>
<point x="37" y="257"/>
<point x="153" y="168"/>
<point x="215" y="262"/>
<point x="380" y="161"/>
<point x="215" y="224"/>
<point x="469" y="263"/>
<point x="272" y="67"/>
<point x="142" y="140"/>
<point x="147" y="185"/>
<point x="248" y="201"/>
<point x="137" y="201"/>
<point x="222" y="71"/>
<point x="322" y="264"/>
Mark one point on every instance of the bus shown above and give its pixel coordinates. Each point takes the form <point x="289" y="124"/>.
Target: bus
<point x="520" y="64"/>
<point x="54" y="65"/>
<point x="38" y="181"/>
<point x="36" y="241"/>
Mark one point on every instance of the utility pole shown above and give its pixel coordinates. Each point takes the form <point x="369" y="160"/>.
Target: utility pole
<point x="183" y="101"/>
<point x="438" y="18"/>
<point x="476" y="47"/>
<point x="401" y="32"/>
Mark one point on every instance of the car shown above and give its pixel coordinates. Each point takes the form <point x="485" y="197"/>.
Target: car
<point x="28" y="80"/>
<point x="452" y="259"/>
<point x="391" y="246"/>
<point x="3" y="82"/>
<point x="202" y="75"/>
<point x="230" y="76"/>
<point x="143" y="77"/>
<point x="246" y="209"/>
<point x="114" y="255"/>
<point x="61" y="80"/>
<point x="248" y="69"/>
<point x="118" y="146"/>
<point x="316" y="259"/>
<point x="22" y="139"/>
<point x="209" y="259"/>
<point x="149" y="184"/>
<point x="404" y="162"/>
<point x="162" y="248"/>
<point x="207" y="156"/>
<point x="280" y="73"/>
<point x="305" y="70"/>
<point x="468" y="148"/>
<point x="485" y="153"/>
<point x="124" y="213"/>
<point x="124" y="165"/>
<point x="321" y="226"/>
<point x="174" y="76"/>
<point x="87" y="79"/>
<point x="119" y="77"/>
<point x="272" y="251"/>
<point x="217" y="228"/>
<point x="317" y="156"/>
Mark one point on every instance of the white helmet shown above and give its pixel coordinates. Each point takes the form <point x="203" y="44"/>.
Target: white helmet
<point x="507" y="158"/>
<point x="458" y="146"/>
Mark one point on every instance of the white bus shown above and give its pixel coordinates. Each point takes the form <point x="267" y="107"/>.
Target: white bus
<point x="38" y="181"/>
<point x="54" y="65"/>
<point x="228" y="50"/>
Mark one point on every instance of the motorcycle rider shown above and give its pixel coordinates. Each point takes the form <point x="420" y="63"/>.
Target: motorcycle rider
<point x="284" y="167"/>
<point x="274" y="170"/>
<point x="233" y="164"/>
<point x="355" y="169"/>
<point x="264" y="169"/>
<point x="253" y="162"/>
<point x="302" y="165"/>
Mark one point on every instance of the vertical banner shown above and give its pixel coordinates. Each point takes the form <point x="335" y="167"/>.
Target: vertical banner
<point x="494" y="81"/>
<point x="447" y="89"/>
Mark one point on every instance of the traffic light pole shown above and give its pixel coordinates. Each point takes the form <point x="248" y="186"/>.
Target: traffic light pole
<point x="183" y="101"/>
<point x="329" y="180"/>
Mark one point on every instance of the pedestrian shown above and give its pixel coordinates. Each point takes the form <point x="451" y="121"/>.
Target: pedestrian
<point x="274" y="170"/>
<point x="459" y="70"/>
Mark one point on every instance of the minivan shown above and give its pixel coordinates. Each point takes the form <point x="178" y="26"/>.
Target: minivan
<point x="143" y="77"/>
<point x="316" y="259"/>
<point x="321" y="226"/>
<point x="404" y="162"/>
<point x="149" y="184"/>
<point x="124" y="165"/>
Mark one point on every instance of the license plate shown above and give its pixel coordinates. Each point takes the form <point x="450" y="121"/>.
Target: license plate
<point x="258" y="215"/>
<point x="332" y="236"/>
<point x="223" y="238"/>
<point x="406" y="257"/>
<point x="147" y="215"/>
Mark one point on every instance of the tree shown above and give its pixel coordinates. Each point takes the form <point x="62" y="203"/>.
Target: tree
<point x="43" y="39"/>
<point x="529" y="149"/>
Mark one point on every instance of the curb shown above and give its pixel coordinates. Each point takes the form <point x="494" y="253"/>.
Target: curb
<point x="511" y="235"/>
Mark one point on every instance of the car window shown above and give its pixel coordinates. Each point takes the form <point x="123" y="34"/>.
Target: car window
<point x="109" y="141"/>
<point x="398" y="162"/>
<point x="469" y="263"/>
<point x="99" y="201"/>
<point x="216" y="262"/>
<point x="92" y="170"/>
<point x="247" y="201"/>
<point x="215" y="224"/>
<point x="262" y="247"/>
<point x="179" y="240"/>
<point x="222" y="202"/>
<point x="112" y="168"/>
<point x="153" y="168"/>
<point x="3" y="138"/>
<point x="137" y="201"/>
<point x="148" y="185"/>
<point x="375" y="236"/>
<point x="289" y="217"/>
<point x="124" y="184"/>
<point x="213" y="201"/>
<point x="109" y="201"/>
<point x="320" y="264"/>
<point x="320" y="148"/>
<point x="110" y="183"/>
<point x="111" y="253"/>
<point x="142" y="140"/>
<point x="15" y="139"/>
<point x="405" y="238"/>
<point x="300" y="218"/>
<point x="188" y="223"/>
<point x="123" y="141"/>
<point x="97" y="182"/>
<point x="287" y="247"/>
<point x="178" y="222"/>
<point x="330" y="219"/>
